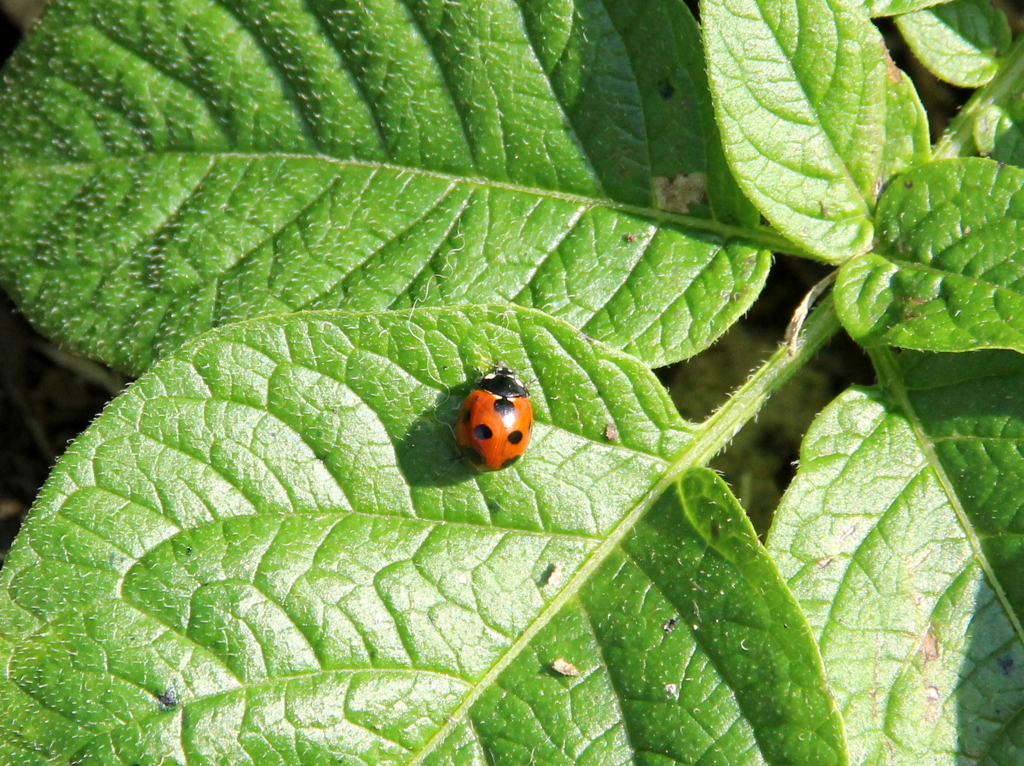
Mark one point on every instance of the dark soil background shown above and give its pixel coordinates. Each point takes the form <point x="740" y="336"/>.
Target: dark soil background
<point x="48" y="396"/>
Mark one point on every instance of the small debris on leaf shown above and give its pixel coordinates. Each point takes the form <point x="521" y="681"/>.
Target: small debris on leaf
<point x="554" y="574"/>
<point x="929" y="645"/>
<point x="564" y="668"/>
<point x="168" y="700"/>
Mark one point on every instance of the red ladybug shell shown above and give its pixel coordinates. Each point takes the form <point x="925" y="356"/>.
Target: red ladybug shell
<point x="495" y="421"/>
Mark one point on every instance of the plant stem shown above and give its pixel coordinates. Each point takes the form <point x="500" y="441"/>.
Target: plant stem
<point x="744" y="404"/>
<point x="959" y="138"/>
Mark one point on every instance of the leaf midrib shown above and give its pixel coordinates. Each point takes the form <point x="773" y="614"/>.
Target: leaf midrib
<point x="760" y="237"/>
<point x="893" y="382"/>
<point x="571" y="590"/>
<point x="947" y="274"/>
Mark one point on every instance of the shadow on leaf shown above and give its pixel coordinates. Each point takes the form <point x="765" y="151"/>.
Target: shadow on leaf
<point x="427" y="454"/>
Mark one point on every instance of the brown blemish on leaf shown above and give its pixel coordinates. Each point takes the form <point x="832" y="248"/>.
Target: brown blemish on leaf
<point x="675" y="195"/>
<point x="895" y="75"/>
<point x="929" y="645"/>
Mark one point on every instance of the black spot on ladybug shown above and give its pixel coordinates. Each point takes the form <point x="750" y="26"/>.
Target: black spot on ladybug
<point x="1005" y="665"/>
<point x="510" y="461"/>
<point x="466" y="416"/>
<point x="504" y="407"/>
<point x="515" y="437"/>
<point x="482" y="431"/>
<point x="666" y="89"/>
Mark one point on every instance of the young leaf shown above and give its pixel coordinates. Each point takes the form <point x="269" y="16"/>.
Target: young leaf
<point x="900" y="538"/>
<point x="264" y="552"/>
<point x="896" y="7"/>
<point x="806" y="150"/>
<point x="959" y="42"/>
<point x="907" y="143"/>
<point x="944" y="276"/>
<point x="998" y="132"/>
<point x="167" y="168"/>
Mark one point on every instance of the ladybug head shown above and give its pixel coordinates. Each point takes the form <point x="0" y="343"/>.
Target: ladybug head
<point x="503" y="382"/>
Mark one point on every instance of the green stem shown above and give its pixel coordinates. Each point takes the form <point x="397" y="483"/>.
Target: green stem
<point x="744" y="404"/>
<point x="959" y="138"/>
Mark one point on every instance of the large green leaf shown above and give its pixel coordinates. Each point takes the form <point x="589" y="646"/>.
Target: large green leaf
<point x="264" y="553"/>
<point x="800" y="94"/>
<point x="168" y="167"/>
<point x="901" y="538"/>
<point x="945" y="275"/>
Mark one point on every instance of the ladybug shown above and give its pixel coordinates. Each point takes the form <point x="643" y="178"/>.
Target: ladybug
<point x="495" y="421"/>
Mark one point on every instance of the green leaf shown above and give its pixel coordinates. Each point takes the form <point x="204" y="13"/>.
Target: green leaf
<point x="944" y="276"/>
<point x="908" y="142"/>
<point x="901" y="539"/>
<point x="879" y="8"/>
<point x="959" y="42"/>
<point x="805" y="150"/>
<point x="998" y="131"/>
<point x="167" y="168"/>
<point x="264" y="553"/>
